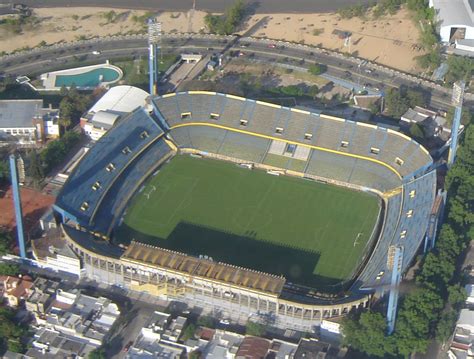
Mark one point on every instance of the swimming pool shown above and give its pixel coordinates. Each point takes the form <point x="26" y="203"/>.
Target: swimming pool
<point x="90" y="78"/>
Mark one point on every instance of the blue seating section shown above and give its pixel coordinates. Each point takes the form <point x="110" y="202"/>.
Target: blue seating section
<point x="125" y="186"/>
<point x="105" y="161"/>
<point x="392" y="148"/>
<point x="407" y="218"/>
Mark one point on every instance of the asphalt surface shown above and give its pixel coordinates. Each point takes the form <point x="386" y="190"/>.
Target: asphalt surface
<point x="346" y="69"/>
<point x="259" y="6"/>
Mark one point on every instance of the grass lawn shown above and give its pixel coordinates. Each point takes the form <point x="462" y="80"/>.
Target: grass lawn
<point x="312" y="233"/>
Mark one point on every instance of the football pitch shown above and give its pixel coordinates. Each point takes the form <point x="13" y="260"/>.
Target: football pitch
<point x="312" y="233"/>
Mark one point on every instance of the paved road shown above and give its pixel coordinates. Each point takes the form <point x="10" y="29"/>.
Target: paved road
<point x="259" y="6"/>
<point x="286" y="55"/>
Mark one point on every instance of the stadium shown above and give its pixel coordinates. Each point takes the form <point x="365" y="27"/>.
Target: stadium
<point x="249" y="206"/>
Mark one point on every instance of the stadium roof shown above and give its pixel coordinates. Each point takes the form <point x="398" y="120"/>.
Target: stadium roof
<point x="455" y="12"/>
<point x="105" y="119"/>
<point x="188" y="265"/>
<point x="18" y="113"/>
<point x="121" y="99"/>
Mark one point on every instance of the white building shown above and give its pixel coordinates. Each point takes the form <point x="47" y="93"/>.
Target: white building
<point x="53" y="252"/>
<point x="115" y="103"/>
<point x="27" y="121"/>
<point x="464" y="334"/>
<point x="456" y="19"/>
<point x="81" y="316"/>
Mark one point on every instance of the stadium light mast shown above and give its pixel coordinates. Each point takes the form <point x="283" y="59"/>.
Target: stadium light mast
<point x="395" y="260"/>
<point x="17" y="203"/>
<point x="457" y="100"/>
<point x="154" y="41"/>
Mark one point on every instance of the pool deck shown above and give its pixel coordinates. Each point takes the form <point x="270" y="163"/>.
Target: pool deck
<point x="49" y="78"/>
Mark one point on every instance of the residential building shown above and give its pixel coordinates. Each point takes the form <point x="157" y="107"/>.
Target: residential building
<point x="173" y="332"/>
<point x="16" y="289"/>
<point x="315" y="349"/>
<point x="253" y="348"/>
<point x="110" y="108"/>
<point x="27" y="122"/>
<point x="41" y="297"/>
<point x="81" y="316"/>
<point x="51" y="344"/>
<point x="433" y="124"/>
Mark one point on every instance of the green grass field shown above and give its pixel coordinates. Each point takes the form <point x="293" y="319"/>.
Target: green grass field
<point x="312" y="233"/>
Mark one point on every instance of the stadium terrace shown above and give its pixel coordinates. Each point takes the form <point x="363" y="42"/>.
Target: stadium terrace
<point x="135" y="164"/>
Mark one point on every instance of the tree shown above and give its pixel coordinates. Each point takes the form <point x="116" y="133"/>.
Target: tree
<point x="368" y="334"/>
<point x="98" y="353"/>
<point x="459" y="68"/>
<point x="255" y="329"/>
<point x="5" y="241"/>
<point x="188" y="332"/>
<point x="35" y="168"/>
<point x="445" y="327"/>
<point x="66" y="112"/>
<point x="416" y="131"/>
<point x="317" y="69"/>
<point x="205" y="321"/>
<point x="226" y="24"/>
<point x="456" y="295"/>
<point x="4" y="173"/>
<point x="466" y="116"/>
<point x="9" y="269"/>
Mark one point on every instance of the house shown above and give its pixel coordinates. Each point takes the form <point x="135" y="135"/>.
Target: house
<point x="174" y="330"/>
<point x="41" y="297"/>
<point x="456" y="19"/>
<point x="81" y="316"/>
<point x="253" y="348"/>
<point x="27" y="122"/>
<point x="16" y="289"/>
<point x="315" y="349"/>
<point x="110" y="108"/>
<point x="433" y="124"/>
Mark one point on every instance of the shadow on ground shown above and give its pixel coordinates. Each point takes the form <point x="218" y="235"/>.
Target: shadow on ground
<point x="294" y="264"/>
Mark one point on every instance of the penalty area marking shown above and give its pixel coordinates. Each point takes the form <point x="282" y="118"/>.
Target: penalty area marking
<point x="356" y="240"/>
<point x="148" y="194"/>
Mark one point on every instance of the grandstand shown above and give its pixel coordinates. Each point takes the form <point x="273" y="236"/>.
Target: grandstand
<point x="271" y="137"/>
<point x="103" y="165"/>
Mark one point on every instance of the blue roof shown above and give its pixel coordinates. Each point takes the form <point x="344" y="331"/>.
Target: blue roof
<point x="91" y="179"/>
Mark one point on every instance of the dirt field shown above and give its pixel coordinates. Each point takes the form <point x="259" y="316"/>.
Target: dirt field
<point x="391" y="40"/>
<point x="34" y="205"/>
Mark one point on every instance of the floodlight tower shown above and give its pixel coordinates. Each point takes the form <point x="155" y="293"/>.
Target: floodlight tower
<point x="17" y="203"/>
<point x="457" y="100"/>
<point x="395" y="261"/>
<point x="154" y="42"/>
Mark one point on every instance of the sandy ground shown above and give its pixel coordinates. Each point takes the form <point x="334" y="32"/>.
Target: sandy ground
<point x="68" y="24"/>
<point x="390" y="40"/>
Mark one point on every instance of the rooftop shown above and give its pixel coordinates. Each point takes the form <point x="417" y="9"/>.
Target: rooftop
<point x="153" y="256"/>
<point x="18" y="113"/>
<point x="121" y="99"/>
<point x="253" y="348"/>
<point x="454" y="12"/>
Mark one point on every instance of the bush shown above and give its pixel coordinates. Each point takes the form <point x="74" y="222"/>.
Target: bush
<point x="317" y="69"/>
<point x="254" y="329"/>
<point x="57" y="150"/>
<point x="228" y="23"/>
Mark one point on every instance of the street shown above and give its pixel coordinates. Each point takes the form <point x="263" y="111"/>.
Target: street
<point x="54" y="57"/>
